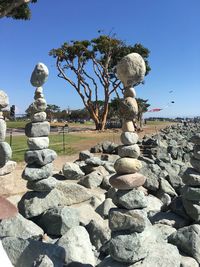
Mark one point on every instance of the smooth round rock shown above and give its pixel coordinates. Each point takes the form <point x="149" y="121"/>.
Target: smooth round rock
<point x="2" y="130"/>
<point x="5" y="153"/>
<point x="129" y="92"/>
<point x="39" y="117"/>
<point x="131" y="69"/>
<point x="127" y="181"/>
<point x="4" y="101"/>
<point x="128" y="138"/>
<point x="37" y="129"/>
<point x="127" y="165"/>
<point x="132" y="151"/>
<point x="196" y="153"/>
<point x="195" y="164"/>
<point x="35" y="143"/>
<point x="128" y="108"/>
<point x="39" y="75"/>
<point x="39" y="105"/>
<point x="127" y="126"/>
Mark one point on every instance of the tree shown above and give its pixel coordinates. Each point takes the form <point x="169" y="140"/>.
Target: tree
<point x="92" y="64"/>
<point x="142" y="108"/>
<point x="16" y="9"/>
<point x="51" y="111"/>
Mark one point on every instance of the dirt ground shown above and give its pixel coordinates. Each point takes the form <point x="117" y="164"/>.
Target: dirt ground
<point x="13" y="186"/>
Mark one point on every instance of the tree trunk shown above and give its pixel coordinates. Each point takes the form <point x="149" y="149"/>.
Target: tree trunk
<point x="140" y="121"/>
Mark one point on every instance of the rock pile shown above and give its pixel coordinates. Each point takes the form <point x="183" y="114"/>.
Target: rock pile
<point x="6" y="164"/>
<point x="191" y="178"/>
<point x="39" y="158"/>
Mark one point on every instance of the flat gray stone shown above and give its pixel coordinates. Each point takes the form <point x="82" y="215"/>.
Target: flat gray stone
<point x="2" y="130"/>
<point x="129" y="138"/>
<point x="127" y="220"/>
<point x="5" y="153"/>
<point x="72" y="171"/>
<point x="42" y="185"/>
<point x="76" y="243"/>
<point x="23" y="252"/>
<point x="39" y="116"/>
<point x="34" y="173"/>
<point x="59" y="220"/>
<point x="4" y="101"/>
<point x="37" y="129"/>
<point x="167" y="188"/>
<point x="36" y="143"/>
<point x="92" y="180"/>
<point x="40" y="157"/>
<point x="39" y="75"/>
<point x="130" y="199"/>
<point x="20" y="227"/>
<point x="187" y="239"/>
<point x="39" y="105"/>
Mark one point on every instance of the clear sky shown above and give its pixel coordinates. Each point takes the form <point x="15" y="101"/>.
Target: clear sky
<point x="170" y="29"/>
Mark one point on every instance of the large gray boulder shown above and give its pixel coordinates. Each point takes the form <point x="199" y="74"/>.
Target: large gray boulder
<point x="35" y="143"/>
<point x="187" y="239"/>
<point x="37" y="129"/>
<point x="20" y="227"/>
<point x="78" y="248"/>
<point x="57" y="221"/>
<point x="34" y="173"/>
<point x="42" y="185"/>
<point x="23" y="252"/>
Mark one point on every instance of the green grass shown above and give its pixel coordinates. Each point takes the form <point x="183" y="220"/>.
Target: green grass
<point x="19" y="145"/>
<point x="16" y="124"/>
<point x="158" y="122"/>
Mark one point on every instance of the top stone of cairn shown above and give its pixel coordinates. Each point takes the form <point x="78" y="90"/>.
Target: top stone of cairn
<point x="39" y="75"/>
<point x="4" y="101"/>
<point x="131" y="69"/>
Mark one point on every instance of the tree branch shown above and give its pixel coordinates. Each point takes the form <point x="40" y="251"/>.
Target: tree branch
<point x="14" y="4"/>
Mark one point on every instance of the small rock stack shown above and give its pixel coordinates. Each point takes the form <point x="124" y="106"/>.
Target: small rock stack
<point x="129" y="220"/>
<point x="191" y="178"/>
<point x="39" y="158"/>
<point x="6" y="165"/>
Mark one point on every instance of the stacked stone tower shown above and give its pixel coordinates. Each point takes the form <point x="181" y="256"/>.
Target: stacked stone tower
<point x="129" y="220"/>
<point x="191" y="178"/>
<point x="39" y="158"/>
<point x="6" y="164"/>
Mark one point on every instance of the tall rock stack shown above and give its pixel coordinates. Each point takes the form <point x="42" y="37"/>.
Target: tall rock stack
<point x="129" y="220"/>
<point x="6" y="164"/>
<point x="191" y="178"/>
<point x="39" y="158"/>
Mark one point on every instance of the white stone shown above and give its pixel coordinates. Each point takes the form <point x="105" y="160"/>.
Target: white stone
<point x="39" y="75"/>
<point x="131" y="69"/>
<point x="2" y="130"/>
<point x="127" y="126"/>
<point x="4" y="101"/>
<point x="39" y="117"/>
<point x="35" y="143"/>
<point x="39" y="105"/>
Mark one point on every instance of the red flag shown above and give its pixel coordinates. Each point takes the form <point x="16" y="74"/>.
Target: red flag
<point x="155" y="110"/>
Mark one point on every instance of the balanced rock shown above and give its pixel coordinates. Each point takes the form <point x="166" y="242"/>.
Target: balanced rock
<point x="129" y="151"/>
<point x="39" y="75"/>
<point x="128" y="138"/>
<point x="128" y="108"/>
<point x="39" y="105"/>
<point x="2" y="130"/>
<point x="35" y="143"/>
<point x="39" y="116"/>
<point x="34" y="173"/>
<point x="37" y="129"/>
<point x="127" y="126"/>
<point x="129" y="92"/>
<point x="127" y="165"/>
<point x="127" y="181"/>
<point x="40" y="157"/>
<point x="131" y="69"/>
<point x="5" y="153"/>
<point x="4" y="101"/>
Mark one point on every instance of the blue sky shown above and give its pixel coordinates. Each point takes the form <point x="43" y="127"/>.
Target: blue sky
<point x="170" y="29"/>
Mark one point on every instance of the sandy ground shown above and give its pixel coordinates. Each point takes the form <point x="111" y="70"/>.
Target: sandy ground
<point x="13" y="186"/>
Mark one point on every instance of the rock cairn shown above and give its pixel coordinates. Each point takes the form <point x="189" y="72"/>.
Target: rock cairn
<point x="128" y="221"/>
<point x="191" y="178"/>
<point x="39" y="158"/>
<point x="6" y="164"/>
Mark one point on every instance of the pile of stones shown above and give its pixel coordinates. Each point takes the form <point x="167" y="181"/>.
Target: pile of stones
<point x="39" y="158"/>
<point x="6" y="164"/>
